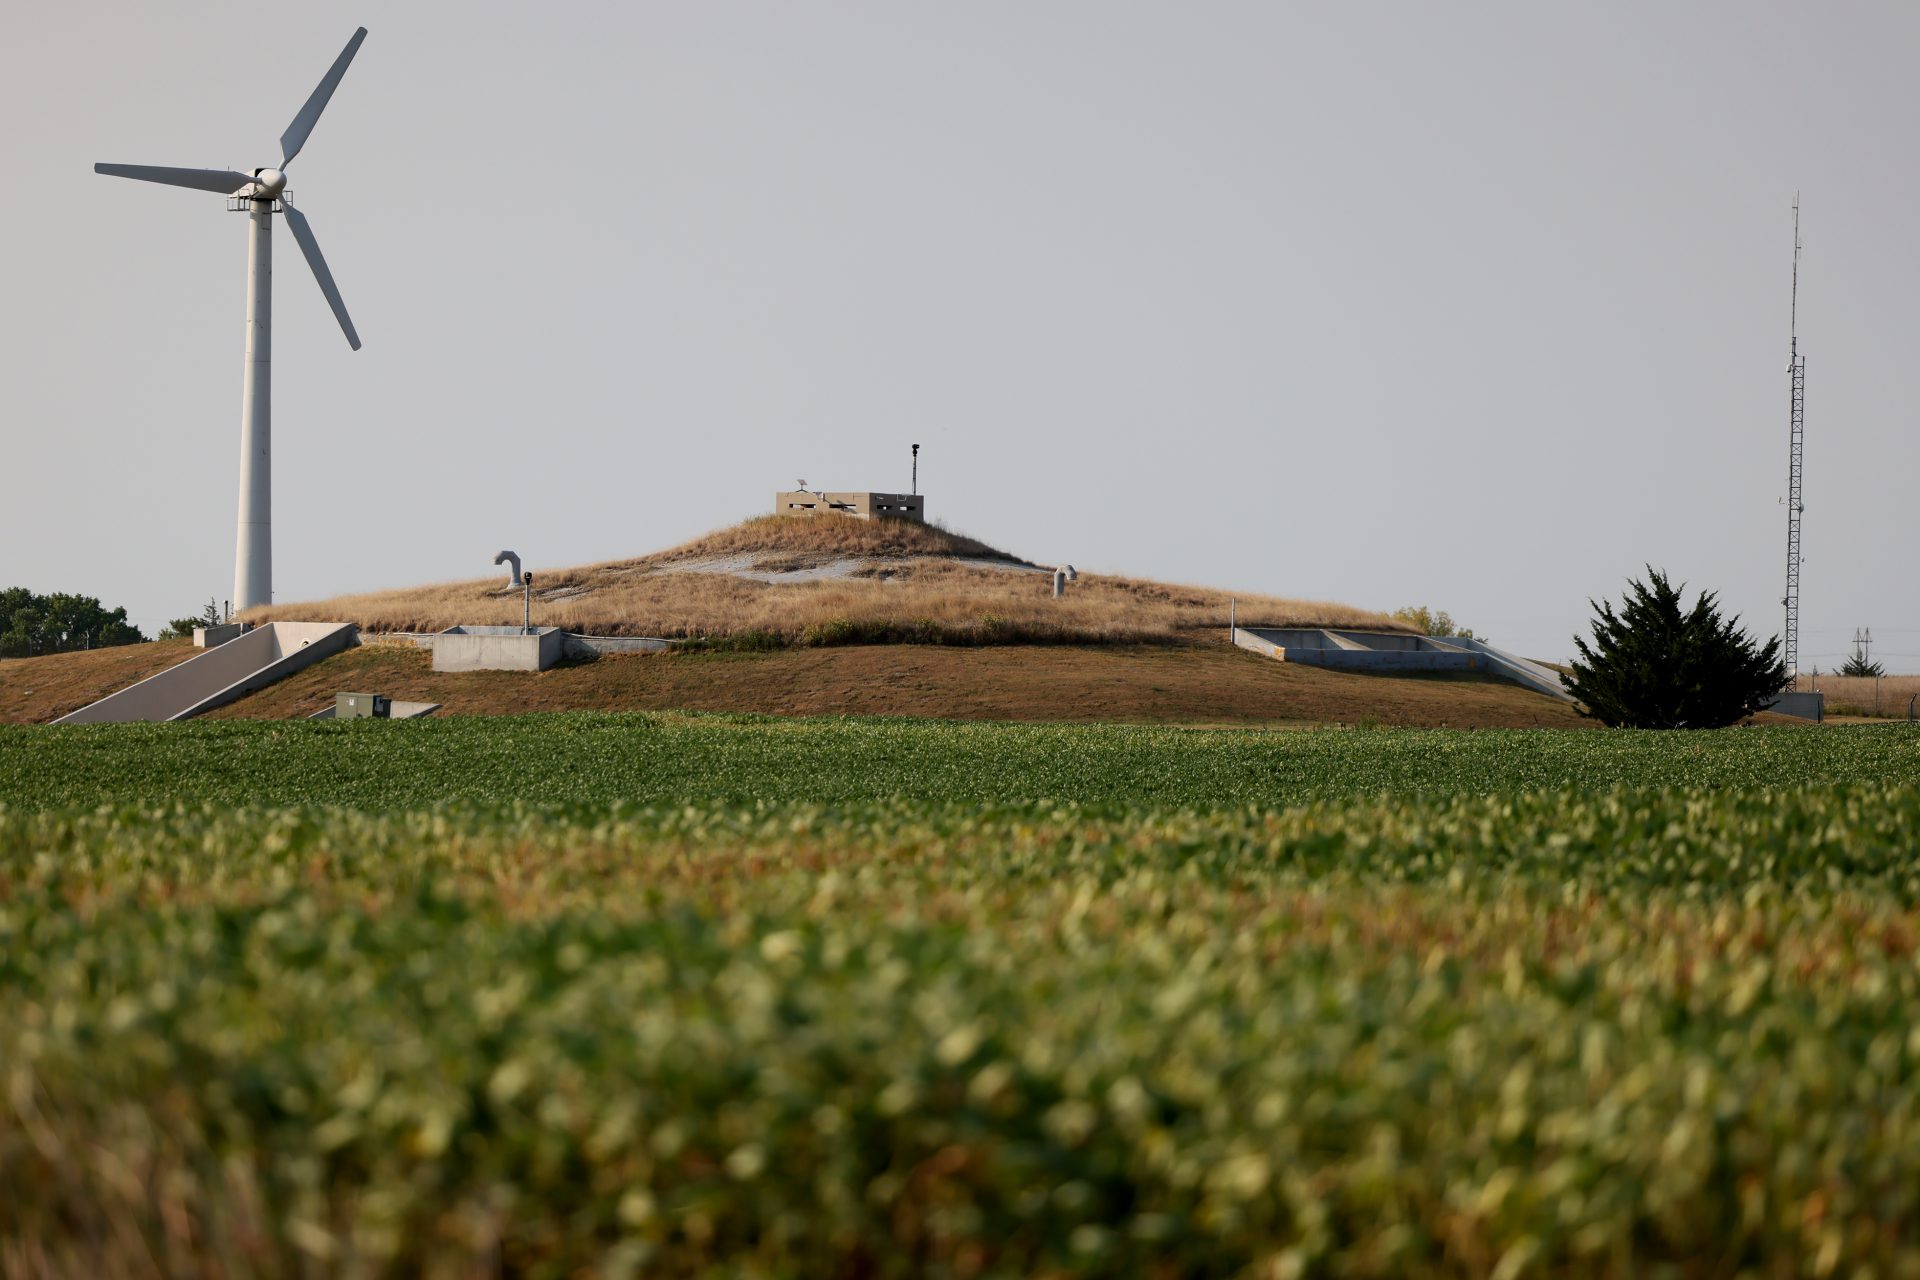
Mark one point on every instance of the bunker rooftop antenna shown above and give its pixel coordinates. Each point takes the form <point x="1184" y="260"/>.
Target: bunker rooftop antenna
<point x="1796" y="443"/>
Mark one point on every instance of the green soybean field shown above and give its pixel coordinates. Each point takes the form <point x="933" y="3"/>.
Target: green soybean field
<point x="701" y="996"/>
<point x="598" y="760"/>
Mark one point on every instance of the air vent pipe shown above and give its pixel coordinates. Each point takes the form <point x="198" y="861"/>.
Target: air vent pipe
<point x="512" y="558"/>
<point x="1062" y="575"/>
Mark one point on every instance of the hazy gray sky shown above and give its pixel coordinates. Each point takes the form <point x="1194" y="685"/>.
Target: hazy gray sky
<point x="1482" y="306"/>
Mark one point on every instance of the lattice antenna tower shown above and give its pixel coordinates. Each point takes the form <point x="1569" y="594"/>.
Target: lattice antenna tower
<point x="1796" y="444"/>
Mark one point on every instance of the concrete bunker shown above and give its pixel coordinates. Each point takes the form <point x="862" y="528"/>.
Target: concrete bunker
<point x="861" y="505"/>
<point x="498" y="648"/>
<point x="1391" y="653"/>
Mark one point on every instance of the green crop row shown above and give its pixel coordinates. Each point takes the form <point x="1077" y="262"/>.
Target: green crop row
<point x="596" y="760"/>
<point x="1574" y="1032"/>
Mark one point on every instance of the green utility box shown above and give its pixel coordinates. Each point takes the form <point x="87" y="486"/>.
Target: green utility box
<point x="361" y="706"/>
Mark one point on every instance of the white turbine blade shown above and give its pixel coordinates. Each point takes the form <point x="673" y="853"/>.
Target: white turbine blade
<point x="225" y="181"/>
<point x="296" y="135"/>
<point x="303" y="235"/>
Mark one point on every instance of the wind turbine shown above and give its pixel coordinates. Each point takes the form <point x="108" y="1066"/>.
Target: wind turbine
<point x="260" y="195"/>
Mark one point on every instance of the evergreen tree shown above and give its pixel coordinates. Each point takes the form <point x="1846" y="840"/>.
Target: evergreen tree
<point x="1654" y="665"/>
<point x="180" y="628"/>
<point x="1857" y="664"/>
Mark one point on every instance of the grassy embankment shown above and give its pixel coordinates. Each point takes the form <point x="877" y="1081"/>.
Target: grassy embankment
<point x="39" y="689"/>
<point x="913" y="584"/>
<point x="1129" y="684"/>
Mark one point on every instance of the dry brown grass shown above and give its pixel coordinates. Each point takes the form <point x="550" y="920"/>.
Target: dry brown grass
<point x="830" y="537"/>
<point x="1196" y="684"/>
<point x="34" y="690"/>
<point x="916" y="588"/>
<point x="1865" y="696"/>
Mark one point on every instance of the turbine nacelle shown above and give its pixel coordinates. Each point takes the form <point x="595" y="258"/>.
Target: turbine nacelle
<point x="269" y="184"/>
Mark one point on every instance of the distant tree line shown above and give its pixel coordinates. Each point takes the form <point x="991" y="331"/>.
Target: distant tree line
<point x="33" y="624"/>
<point x="181" y="628"/>
<point x="1433" y="622"/>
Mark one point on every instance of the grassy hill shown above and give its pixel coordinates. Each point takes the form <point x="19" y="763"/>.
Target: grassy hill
<point x="1195" y="684"/>
<point x="35" y="690"/>
<point x="1205" y="683"/>
<point x="836" y="616"/>
<point x="778" y="581"/>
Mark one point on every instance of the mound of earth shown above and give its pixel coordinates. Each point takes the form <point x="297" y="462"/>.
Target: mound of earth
<point x="778" y="581"/>
<point x="1193" y="684"/>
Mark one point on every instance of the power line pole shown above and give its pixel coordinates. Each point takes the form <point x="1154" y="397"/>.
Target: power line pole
<point x="1796" y="443"/>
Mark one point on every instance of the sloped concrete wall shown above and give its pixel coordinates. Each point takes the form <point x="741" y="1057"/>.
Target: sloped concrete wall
<point x="219" y="676"/>
<point x="1519" y="670"/>
<point x="593" y="646"/>
<point x="1352" y="651"/>
<point x="1385" y="652"/>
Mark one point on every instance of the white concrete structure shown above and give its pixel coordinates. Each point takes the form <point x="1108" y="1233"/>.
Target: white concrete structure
<point x="498" y="649"/>
<point x="219" y="676"/>
<point x="573" y="646"/>
<point x="595" y="646"/>
<point x="396" y="710"/>
<point x="1390" y="652"/>
<point x="861" y="504"/>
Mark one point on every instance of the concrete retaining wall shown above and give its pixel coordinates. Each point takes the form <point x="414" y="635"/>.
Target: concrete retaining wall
<point x="1387" y="652"/>
<point x="219" y="676"/>
<point x="592" y="646"/>
<point x="1521" y="671"/>
<point x="395" y="711"/>
<point x="574" y="646"/>
<point x="1807" y="705"/>
<point x="498" y="649"/>
<point x="1354" y="650"/>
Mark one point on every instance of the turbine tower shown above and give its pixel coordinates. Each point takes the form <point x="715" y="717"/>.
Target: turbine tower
<point x="260" y="195"/>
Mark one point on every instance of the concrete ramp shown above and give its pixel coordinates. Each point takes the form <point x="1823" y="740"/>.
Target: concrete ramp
<point x="219" y="676"/>
<point x="1522" y="671"/>
<point x="1389" y="653"/>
